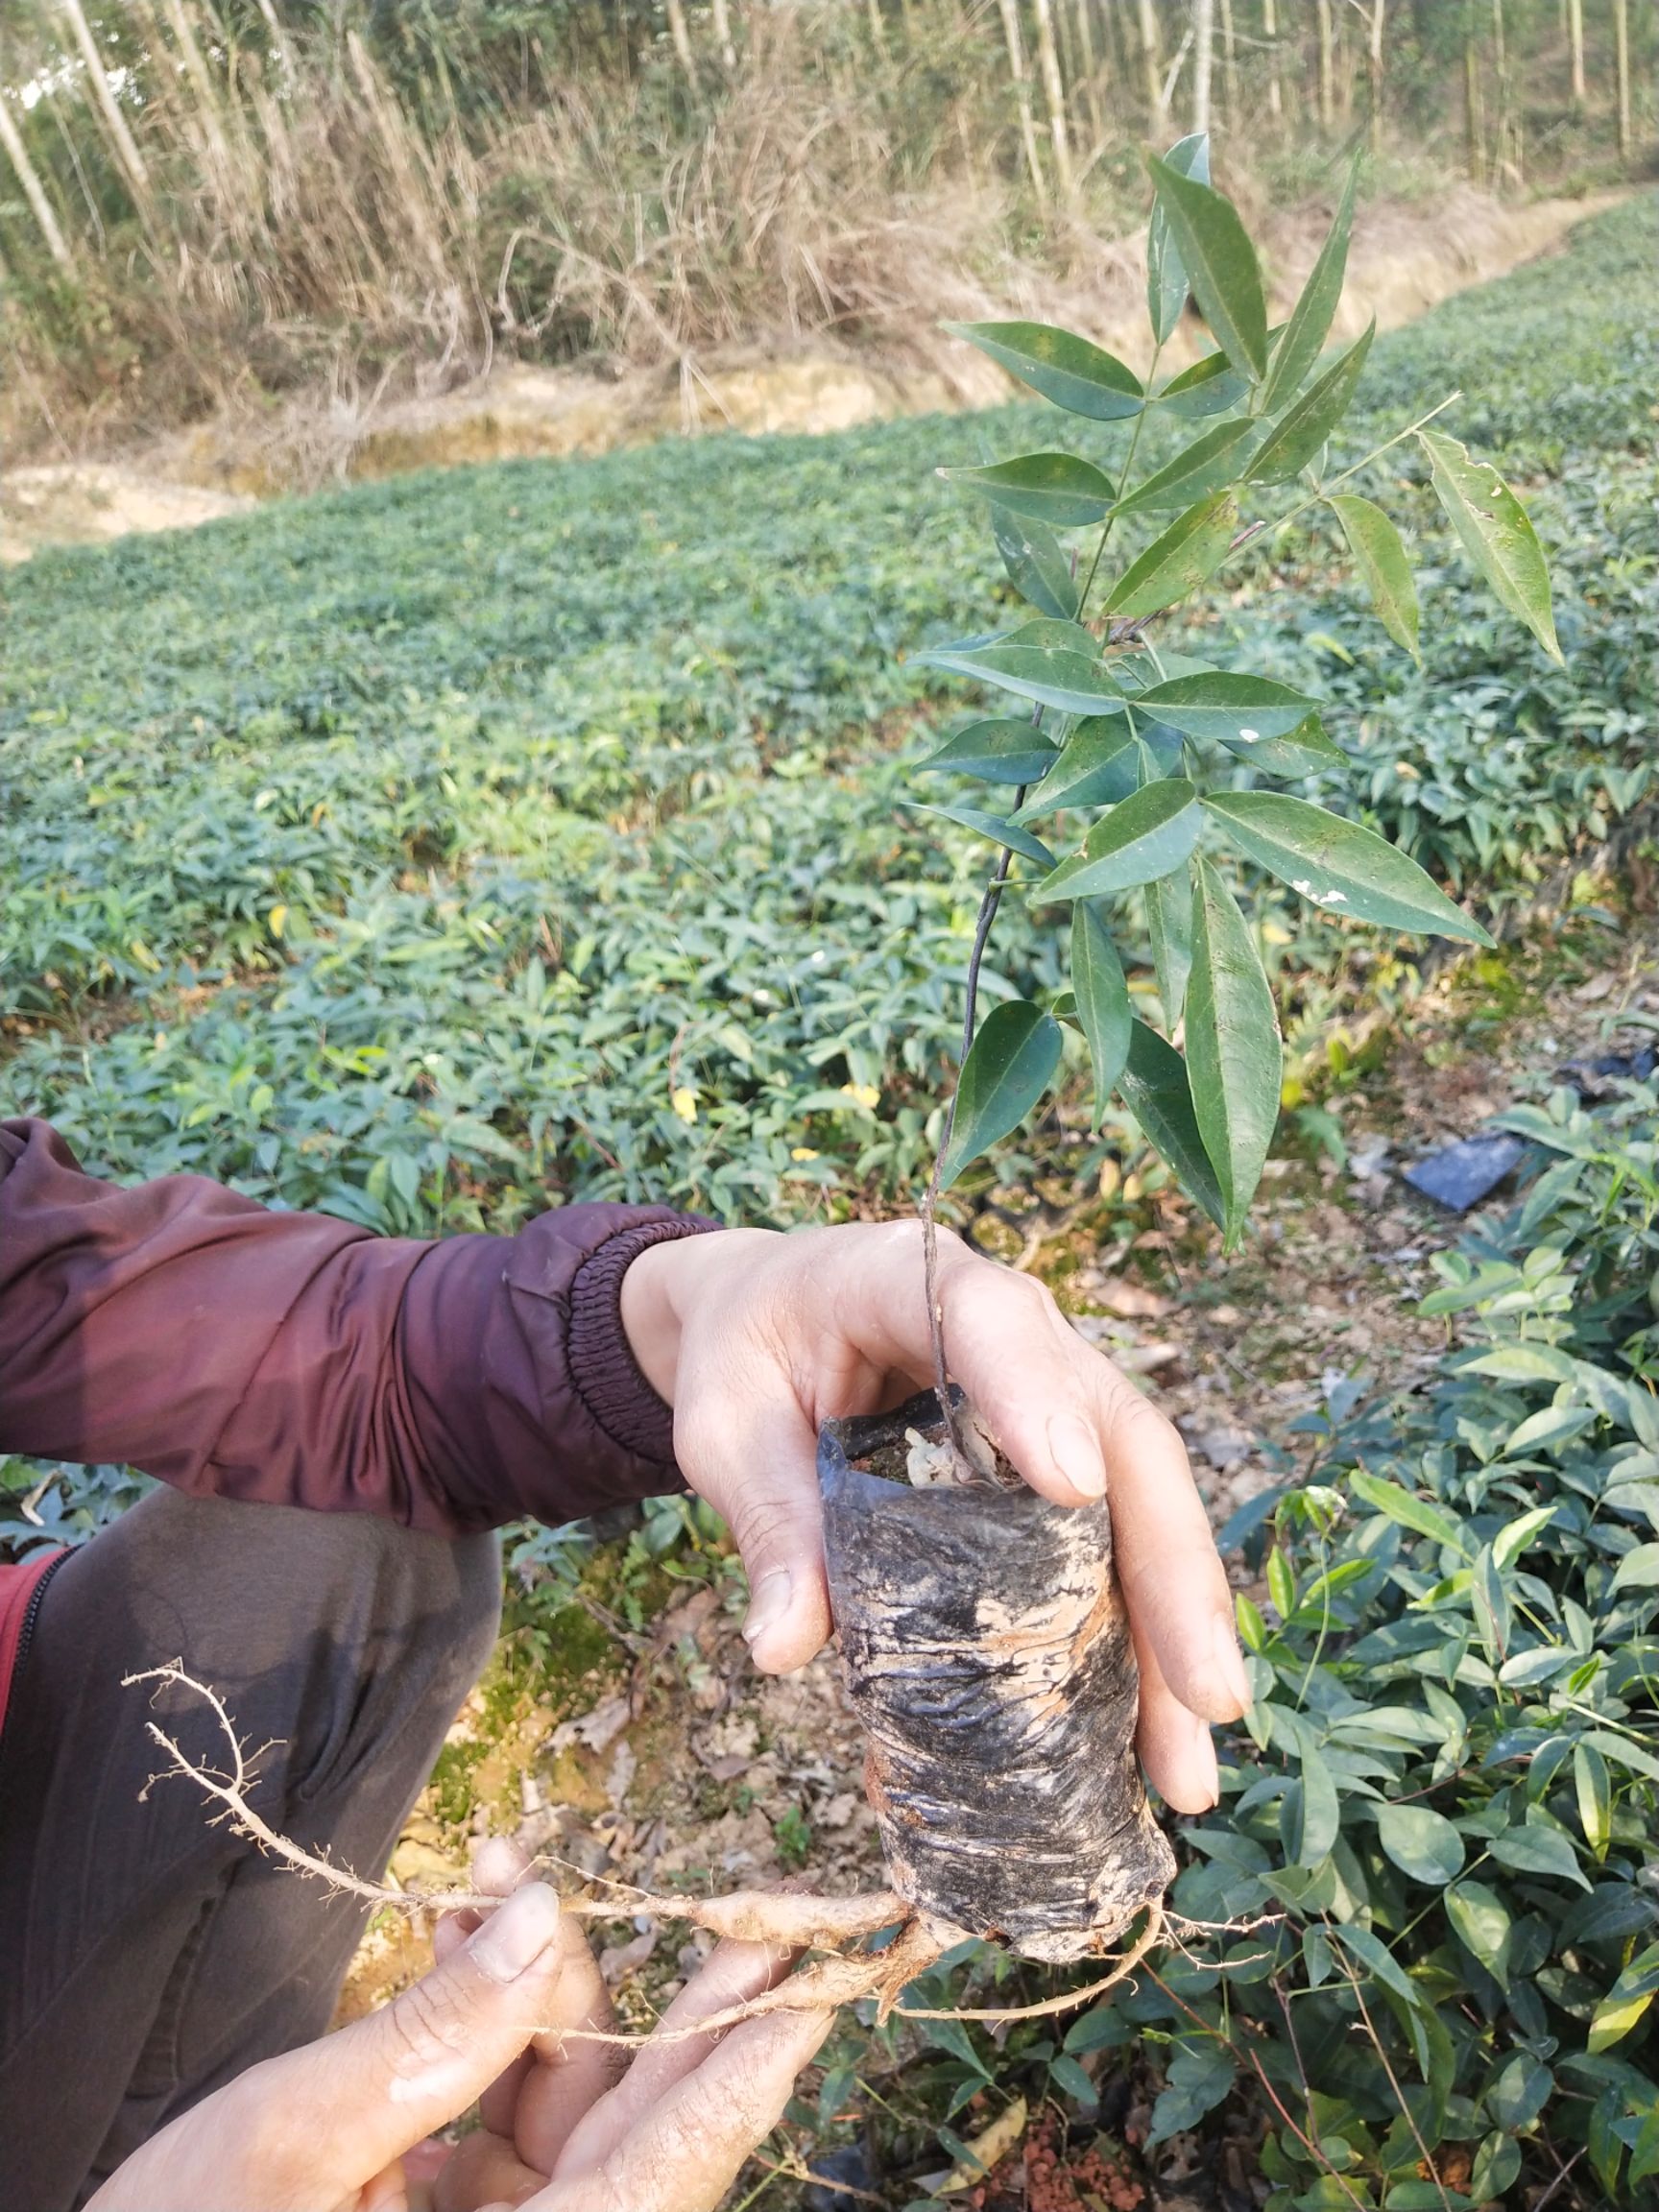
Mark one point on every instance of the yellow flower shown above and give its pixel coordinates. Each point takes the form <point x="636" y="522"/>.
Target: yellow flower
<point x="684" y="1104"/>
<point x="862" y="1094"/>
<point x="803" y="1153"/>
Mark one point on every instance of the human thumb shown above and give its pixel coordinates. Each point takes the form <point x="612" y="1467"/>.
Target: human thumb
<point x="375" y="2089"/>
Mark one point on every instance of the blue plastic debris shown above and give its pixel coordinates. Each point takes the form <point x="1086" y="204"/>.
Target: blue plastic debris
<point x="1462" y="1174"/>
<point x="847" y="2166"/>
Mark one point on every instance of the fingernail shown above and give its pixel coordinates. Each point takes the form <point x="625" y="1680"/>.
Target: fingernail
<point x="1074" y="1452"/>
<point x="516" y="1934"/>
<point x="769" y="1604"/>
<point x="1230" y="1664"/>
<point x="1206" y="1773"/>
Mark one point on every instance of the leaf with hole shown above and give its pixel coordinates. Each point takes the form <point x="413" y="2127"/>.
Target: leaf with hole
<point x="994" y="751"/>
<point x="993" y="825"/>
<point x="1380" y="556"/>
<point x="1099" y="764"/>
<point x="1082" y="378"/>
<point x="1496" y="532"/>
<point x="1102" y="1000"/>
<point x="1234" y="1058"/>
<point x="1186" y="555"/>
<point x="1058" y="489"/>
<point x="1143" y="837"/>
<point x="1166" y="282"/>
<point x="1036" y="564"/>
<point x="1155" y="1089"/>
<point x="1220" y="264"/>
<point x="1421" y="1842"/>
<point x="1310" y="422"/>
<point x="1302" y="337"/>
<point x="1052" y="663"/>
<point x="1339" y="866"/>
<point x="1205" y="465"/>
<point x="1010" y="1064"/>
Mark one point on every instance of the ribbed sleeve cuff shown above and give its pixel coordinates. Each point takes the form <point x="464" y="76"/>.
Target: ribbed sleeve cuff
<point x="603" y="1367"/>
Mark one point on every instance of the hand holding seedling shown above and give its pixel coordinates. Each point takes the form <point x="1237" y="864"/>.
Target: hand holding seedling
<point x="755" y="1339"/>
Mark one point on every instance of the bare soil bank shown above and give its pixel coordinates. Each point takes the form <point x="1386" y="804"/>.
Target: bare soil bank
<point x="1406" y="258"/>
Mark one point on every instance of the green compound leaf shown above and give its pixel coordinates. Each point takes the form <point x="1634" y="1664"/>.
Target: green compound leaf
<point x="1166" y="281"/>
<point x="1339" y="866"/>
<point x="1186" y="556"/>
<point x="1038" y="566"/>
<point x="1233" y="1051"/>
<point x="992" y="825"/>
<point x="1058" y="489"/>
<point x="1496" y="532"/>
<point x="1421" y="1842"/>
<point x="1150" y="832"/>
<point x="1307" y="424"/>
<point x="1009" y="1066"/>
<point x="1380" y="557"/>
<point x="997" y="751"/>
<point x="1102" y="1000"/>
<point x="1198" y="468"/>
<point x="1208" y="387"/>
<point x="1220" y="264"/>
<point x="1229" y="709"/>
<point x="1099" y="764"/>
<point x="1083" y="379"/>
<point x="1052" y="663"/>
<point x="1155" y="1089"/>
<point x="1304" y="334"/>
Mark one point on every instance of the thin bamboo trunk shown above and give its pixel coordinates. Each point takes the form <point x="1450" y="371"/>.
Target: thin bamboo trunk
<point x="1230" y="63"/>
<point x="1501" y="122"/>
<point x="1203" y="61"/>
<point x="1083" y="12"/>
<point x="33" y="191"/>
<point x="1473" y="122"/>
<point x="1010" y="13"/>
<point x="1154" y="66"/>
<point x="1576" y="48"/>
<point x="721" y="13"/>
<point x="1270" y="39"/>
<point x="1373" y="72"/>
<point x="1054" y="93"/>
<point x="1327" y="68"/>
<point x="681" y="36"/>
<point x="127" y="153"/>
<point x="1622" y="63"/>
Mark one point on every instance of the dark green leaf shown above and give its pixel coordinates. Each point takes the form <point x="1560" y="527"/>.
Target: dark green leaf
<point x="1305" y="751"/>
<point x="1009" y="1066"/>
<point x="1311" y="1815"/>
<point x="1202" y="466"/>
<point x="1496" y="532"/>
<point x="1537" y="1850"/>
<point x="998" y="751"/>
<point x="1233" y="1050"/>
<point x="1421" y="1842"/>
<point x="1099" y="764"/>
<point x="1481" y="1920"/>
<point x="1220" y="264"/>
<point x="1228" y="709"/>
<point x="992" y="825"/>
<point x="1188" y="554"/>
<point x="1102" y="1000"/>
<point x="1169" y="924"/>
<point x="1307" y="424"/>
<point x="1154" y="1087"/>
<point x="1381" y="559"/>
<point x="1053" y="663"/>
<point x="1081" y="377"/>
<point x="1038" y="567"/>
<point x="1381" y="1963"/>
<point x="1143" y="837"/>
<point x="1304" y="336"/>
<point x="1339" y="866"/>
<point x="1167" y="285"/>
<point x="1208" y="387"/>
<point x="1054" y="487"/>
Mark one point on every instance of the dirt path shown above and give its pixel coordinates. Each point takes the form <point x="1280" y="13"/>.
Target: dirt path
<point x="1406" y="258"/>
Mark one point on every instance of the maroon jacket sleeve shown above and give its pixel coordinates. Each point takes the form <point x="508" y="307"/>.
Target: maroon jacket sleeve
<point x="295" y="1359"/>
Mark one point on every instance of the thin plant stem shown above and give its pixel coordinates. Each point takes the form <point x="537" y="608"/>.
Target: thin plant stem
<point x="1122" y="488"/>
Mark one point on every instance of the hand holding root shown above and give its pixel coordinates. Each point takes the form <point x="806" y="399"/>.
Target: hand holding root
<point x="786" y="1923"/>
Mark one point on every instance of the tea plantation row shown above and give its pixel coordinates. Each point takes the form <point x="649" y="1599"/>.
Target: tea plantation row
<point x="418" y="850"/>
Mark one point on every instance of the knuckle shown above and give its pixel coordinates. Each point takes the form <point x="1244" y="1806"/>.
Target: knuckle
<point x="426" y="2027"/>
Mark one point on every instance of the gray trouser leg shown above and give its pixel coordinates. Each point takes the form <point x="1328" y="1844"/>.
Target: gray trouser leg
<point x="147" y="1955"/>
